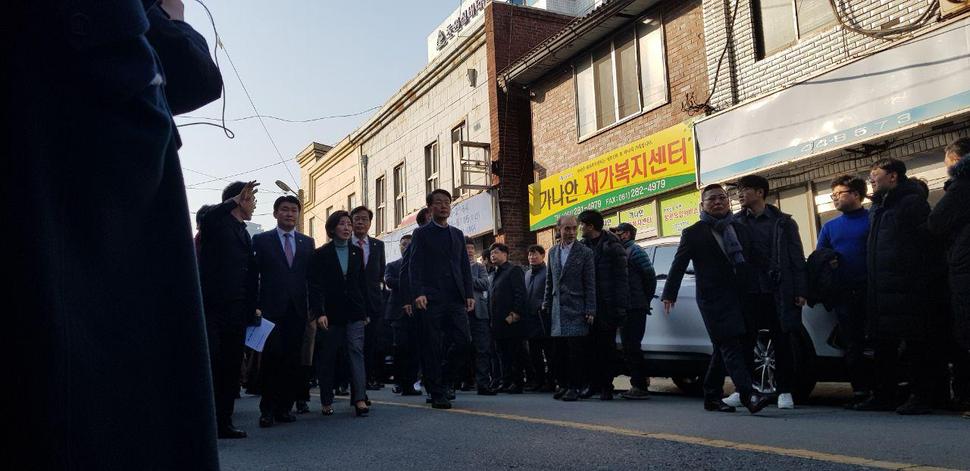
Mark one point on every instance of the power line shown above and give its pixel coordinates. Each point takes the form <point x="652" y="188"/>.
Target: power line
<point x="258" y="116"/>
<point x="215" y="179"/>
<point x="286" y="120"/>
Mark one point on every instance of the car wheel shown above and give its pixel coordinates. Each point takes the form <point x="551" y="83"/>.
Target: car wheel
<point x="763" y="380"/>
<point x="764" y="365"/>
<point x="690" y="385"/>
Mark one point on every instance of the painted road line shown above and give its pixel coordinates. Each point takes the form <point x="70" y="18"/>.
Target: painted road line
<point x="687" y="439"/>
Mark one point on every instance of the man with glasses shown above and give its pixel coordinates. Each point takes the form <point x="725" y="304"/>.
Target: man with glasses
<point x="441" y="283"/>
<point x="846" y="235"/>
<point x="899" y="263"/>
<point x="720" y="248"/>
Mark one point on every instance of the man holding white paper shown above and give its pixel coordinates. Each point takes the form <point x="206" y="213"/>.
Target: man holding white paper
<point x="281" y="258"/>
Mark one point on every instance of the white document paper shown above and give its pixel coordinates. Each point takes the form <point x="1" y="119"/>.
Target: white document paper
<point x="256" y="336"/>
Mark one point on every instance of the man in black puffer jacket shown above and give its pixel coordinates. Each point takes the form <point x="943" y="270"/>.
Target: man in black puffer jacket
<point x="899" y="277"/>
<point x="951" y="219"/>
<point x="612" y="301"/>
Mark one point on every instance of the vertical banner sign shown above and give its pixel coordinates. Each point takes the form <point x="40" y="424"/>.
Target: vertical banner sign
<point x="648" y="166"/>
<point x="644" y="218"/>
<point x="679" y="212"/>
<point x="612" y="220"/>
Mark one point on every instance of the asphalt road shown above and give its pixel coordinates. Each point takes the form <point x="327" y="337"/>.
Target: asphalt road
<point x="533" y="431"/>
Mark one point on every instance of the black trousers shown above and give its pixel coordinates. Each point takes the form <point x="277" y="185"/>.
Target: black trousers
<point x="570" y="355"/>
<point x="888" y="356"/>
<point x="282" y="376"/>
<point x="602" y="358"/>
<point x="226" y="331"/>
<point x="540" y="360"/>
<point x="631" y="336"/>
<point x="374" y="349"/>
<point x="729" y="358"/>
<point x="445" y="342"/>
<point x="484" y="353"/>
<point x="851" y="313"/>
<point x="512" y="357"/>
<point x="406" y="345"/>
<point x="762" y="314"/>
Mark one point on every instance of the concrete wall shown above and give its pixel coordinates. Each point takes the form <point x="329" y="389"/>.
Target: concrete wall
<point x="427" y="118"/>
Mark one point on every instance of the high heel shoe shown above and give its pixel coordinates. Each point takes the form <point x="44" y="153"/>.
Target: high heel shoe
<point x="327" y="410"/>
<point x="361" y="411"/>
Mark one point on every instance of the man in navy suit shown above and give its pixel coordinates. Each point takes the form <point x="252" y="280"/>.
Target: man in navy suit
<point x="441" y="283"/>
<point x="281" y="258"/>
<point x="374" y="265"/>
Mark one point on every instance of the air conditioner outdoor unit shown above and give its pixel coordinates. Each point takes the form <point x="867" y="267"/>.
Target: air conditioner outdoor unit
<point x="952" y="7"/>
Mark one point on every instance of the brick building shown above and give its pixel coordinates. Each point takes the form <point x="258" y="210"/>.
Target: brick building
<point x="609" y="126"/>
<point x="808" y="91"/>
<point x="445" y="129"/>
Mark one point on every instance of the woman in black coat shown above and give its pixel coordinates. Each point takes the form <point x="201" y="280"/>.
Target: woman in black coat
<point x="337" y="301"/>
<point x="950" y="219"/>
<point x="507" y="306"/>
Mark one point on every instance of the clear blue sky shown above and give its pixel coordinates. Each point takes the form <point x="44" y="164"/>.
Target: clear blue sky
<point x="299" y="60"/>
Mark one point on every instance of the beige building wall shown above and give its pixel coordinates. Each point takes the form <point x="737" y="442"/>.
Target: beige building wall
<point x="330" y="178"/>
<point x="423" y="112"/>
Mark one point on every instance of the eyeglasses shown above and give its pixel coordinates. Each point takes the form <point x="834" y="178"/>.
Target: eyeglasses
<point x="838" y="194"/>
<point x="711" y="199"/>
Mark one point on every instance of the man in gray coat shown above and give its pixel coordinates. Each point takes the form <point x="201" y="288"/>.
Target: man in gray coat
<point x="478" y="322"/>
<point x="570" y="297"/>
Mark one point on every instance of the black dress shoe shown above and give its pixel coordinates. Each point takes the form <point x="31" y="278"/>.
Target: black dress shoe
<point x="265" y="421"/>
<point x="874" y="404"/>
<point x="467" y="387"/>
<point x="450" y="394"/>
<point x="361" y="411"/>
<point x="341" y="391"/>
<point x="302" y="407"/>
<point x="559" y="393"/>
<point x="397" y="389"/>
<point x="285" y="418"/>
<point x="486" y="392"/>
<point x="410" y="392"/>
<point x="718" y="406"/>
<point x="328" y="410"/>
<point x="755" y="402"/>
<point x="587" y="392"/>
<point x="230" y="431"/>
<point x="441" y="404"/>
<point x="571" y="395"/>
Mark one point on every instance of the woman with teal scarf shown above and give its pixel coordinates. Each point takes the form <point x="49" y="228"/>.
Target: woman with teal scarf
<point x="337" y="300"/>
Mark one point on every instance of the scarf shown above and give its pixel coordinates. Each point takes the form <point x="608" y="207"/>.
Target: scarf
<point x="732" y="246"/>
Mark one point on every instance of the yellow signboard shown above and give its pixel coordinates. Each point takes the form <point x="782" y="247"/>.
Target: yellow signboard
<point x="645" y="167"/>
<point x="644" y="218"/>
<point x="679" y="212"/>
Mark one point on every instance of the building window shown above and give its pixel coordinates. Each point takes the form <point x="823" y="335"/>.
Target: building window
<point x="431" y="167"/>
<point x="312" y="221"/>
<point x="622" y="77"/>
<point x="458" y="133"/>
<point x="351" y="201"/>
<point x="381" y="196"/>
<point x="780" y="23"/>
<point x="329" y="212"/>
<point x="399" y="198"/>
